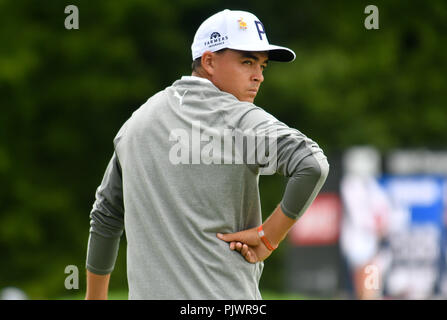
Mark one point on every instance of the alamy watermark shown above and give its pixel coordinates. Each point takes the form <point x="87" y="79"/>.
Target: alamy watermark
<point x="372" y="20"/>
<point x="72" y="20"/>
<point x="72" y="280"/>
<point x="202" y="145"/>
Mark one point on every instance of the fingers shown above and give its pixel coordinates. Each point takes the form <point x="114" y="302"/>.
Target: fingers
<point x="243" y="242"/>
<point x="250" y="257"/>
<point x="236" y="246"/>
<point x="239" y="246"/>
<point x="248" y="254"/>
<point x="244" y="251"/>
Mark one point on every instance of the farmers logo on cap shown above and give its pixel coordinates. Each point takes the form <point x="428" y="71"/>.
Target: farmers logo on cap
<point x="215" y="40"/>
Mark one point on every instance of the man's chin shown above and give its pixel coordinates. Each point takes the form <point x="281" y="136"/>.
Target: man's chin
<point x="247" y="99"/>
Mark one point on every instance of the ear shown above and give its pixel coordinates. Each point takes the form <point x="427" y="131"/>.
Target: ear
<point x="208" y="62"/>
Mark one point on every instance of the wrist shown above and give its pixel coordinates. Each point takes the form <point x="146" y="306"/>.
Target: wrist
<point x="271" y="246"/>
<point x="277" y="226"/>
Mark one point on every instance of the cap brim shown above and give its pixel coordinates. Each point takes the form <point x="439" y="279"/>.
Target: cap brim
<point x="276" y="53"/>
<point x="282" y="54"/>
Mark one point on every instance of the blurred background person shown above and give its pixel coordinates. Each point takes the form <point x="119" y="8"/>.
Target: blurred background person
<point x="365" y="221"/>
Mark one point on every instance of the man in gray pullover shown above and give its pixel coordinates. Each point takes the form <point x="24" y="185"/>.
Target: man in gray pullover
<point x="183" y="178"/>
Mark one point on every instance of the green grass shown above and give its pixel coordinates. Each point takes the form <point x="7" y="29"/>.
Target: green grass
<point x="271" y="295"/>
<point x="266" y="295"/>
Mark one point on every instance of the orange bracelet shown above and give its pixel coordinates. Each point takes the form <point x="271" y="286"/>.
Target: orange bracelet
<point x="264" y="239"/>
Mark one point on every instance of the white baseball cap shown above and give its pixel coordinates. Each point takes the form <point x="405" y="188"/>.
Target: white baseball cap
<point x="238" y="30"/>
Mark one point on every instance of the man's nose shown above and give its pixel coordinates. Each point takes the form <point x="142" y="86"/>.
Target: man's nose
<point x="258" y="76"/>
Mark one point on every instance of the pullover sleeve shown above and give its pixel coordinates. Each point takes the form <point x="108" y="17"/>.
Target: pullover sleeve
<point x="106" y="221"/>
<point x="291" y="154"/>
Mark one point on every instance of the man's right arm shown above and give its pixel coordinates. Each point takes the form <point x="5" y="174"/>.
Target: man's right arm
<point x="301" y="190"/>
<point x="106" y="228"/>
<point x="294" y="156"/>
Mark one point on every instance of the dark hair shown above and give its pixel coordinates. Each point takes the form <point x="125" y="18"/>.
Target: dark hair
<point x="197" y="63"/>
